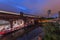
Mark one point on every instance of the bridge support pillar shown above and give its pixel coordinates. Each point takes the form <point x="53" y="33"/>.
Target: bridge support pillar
<point x="11" y="23"/>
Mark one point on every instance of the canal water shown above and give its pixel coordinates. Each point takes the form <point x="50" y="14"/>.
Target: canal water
<point x="33" y="35"/>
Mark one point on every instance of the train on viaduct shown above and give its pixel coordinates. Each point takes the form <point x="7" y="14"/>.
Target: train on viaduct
<point x="10" y="21"/>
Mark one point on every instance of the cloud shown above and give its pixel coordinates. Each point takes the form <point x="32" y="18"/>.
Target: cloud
<point x="37" y="7"/>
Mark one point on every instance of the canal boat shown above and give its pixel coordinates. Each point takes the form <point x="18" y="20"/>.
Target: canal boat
<point x="10" y="21"/>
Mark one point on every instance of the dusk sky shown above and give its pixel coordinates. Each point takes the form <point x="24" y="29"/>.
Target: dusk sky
<point x="36" y="7"/>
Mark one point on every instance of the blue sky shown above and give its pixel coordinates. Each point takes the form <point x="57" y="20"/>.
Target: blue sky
<point x="36" y="7"/>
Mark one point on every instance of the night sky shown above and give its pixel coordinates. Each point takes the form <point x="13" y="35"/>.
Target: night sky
<point x="36" y="7"/>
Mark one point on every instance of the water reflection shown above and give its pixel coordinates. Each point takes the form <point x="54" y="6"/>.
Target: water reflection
<point x="31" y="35"/>
<point x="28" y="36"/>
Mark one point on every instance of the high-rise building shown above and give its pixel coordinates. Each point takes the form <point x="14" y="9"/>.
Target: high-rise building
<point x="49" y="12"/>
<point x="58" y="19"/>
<point x="59" y="14"/>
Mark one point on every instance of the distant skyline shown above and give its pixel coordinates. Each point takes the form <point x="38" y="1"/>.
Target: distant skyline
<point x="36" y="7"/>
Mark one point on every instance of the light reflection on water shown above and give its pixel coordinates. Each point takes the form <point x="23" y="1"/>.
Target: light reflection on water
<point x="31" y="35"/>
<point x="28" y="36"/>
